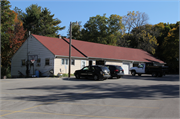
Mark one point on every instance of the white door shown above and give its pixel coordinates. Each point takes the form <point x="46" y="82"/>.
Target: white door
<point x="126" y="68"/>
<point x="141" y="68"/>
<point x="83" y="63"/>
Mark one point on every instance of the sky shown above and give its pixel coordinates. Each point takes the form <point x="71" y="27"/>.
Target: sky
<point x="166" y="11"/>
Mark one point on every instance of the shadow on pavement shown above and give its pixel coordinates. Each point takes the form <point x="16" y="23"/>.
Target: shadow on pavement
<point x="149" y="77"/>
<point x="100" y="91"/>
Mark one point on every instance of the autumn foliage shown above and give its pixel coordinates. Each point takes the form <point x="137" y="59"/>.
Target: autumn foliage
<point x="12" y="36"/>
<point x="17" y="35"/>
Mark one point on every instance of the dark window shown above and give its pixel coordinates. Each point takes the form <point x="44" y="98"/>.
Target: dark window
<point x="47" y="62"/>
<point x="62" y="61"/>
<point x="90" y="63"/>
<point x="23" y="62"/>
<point x="66" y="61"/>
<point x="38" y="62"/>
<point x="72" y="62"/>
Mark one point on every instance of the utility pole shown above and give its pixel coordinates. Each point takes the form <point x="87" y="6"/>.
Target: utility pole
<point x="70" y="50"/>
<point x="27" y="62"/>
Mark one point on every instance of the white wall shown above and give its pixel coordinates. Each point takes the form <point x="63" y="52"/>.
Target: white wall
<point x="34" y="48"/>
<point x="114" y="63"/>
<point x="62" y="68"/>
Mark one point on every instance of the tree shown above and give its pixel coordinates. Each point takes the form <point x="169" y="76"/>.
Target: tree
<point x="171" y="49"/>
<point x="133" y="20"/>
<point x="101" y="29"/>
<point x="17" y="37"/>
<point x="7" y="21"/>
<point x="40" y="21"/>
<point x="162" y="31"/>
<point x="20" y="13"/>
<point x="124" y="40"/>
<point x="144" y="38"/>
<point x="76" y="31"/>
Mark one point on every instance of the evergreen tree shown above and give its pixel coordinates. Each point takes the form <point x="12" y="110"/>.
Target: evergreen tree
<point x="40" y="21"/>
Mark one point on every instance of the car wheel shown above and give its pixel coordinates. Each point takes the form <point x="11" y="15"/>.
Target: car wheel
<point x="133" y="73"/>
<point x="96" y="77"/>
<point x="77" y="76"/>
<point x="139" y="74"/>
<point x="154" y="74"/>
<point x="160" y="75"/>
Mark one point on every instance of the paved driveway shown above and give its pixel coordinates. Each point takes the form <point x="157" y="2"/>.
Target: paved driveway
<point x="63" y="98"/>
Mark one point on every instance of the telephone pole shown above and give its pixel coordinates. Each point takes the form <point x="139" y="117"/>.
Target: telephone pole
<point x="70" y="50"/>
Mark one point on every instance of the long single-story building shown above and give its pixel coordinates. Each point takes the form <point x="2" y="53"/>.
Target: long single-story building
<point x="52" y="54"/>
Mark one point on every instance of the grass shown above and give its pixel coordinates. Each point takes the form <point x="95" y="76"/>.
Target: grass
<point x="63" y="75"/>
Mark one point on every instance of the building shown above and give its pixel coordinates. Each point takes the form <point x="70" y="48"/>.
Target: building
<point x="52" y="54"/>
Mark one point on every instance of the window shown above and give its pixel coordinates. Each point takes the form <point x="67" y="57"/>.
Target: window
<point x="83" y="63"/>
<point x="23" y="62"/>
<point x="66" y="61"/>
<point x="141" y="65"/>
<point x="62" y="61"/>
<point x="86" y="68"/>
<point x="38" y="62"/>
<point x="46" y="61"/>
<point x="72" y="62"/>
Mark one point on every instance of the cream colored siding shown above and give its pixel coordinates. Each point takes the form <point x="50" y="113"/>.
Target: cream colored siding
<point x="114" y="63"/>
<point x="34" y="48"/>
<point x="62" y="68"/>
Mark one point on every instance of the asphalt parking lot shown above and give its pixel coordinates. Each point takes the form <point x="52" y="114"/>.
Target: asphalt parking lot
<point x="130" y="97"/>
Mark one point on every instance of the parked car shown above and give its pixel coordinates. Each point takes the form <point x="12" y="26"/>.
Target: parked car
<point x="155" y="69"/>
<point x="97" y="72"/>
<point x="115" y="71"/>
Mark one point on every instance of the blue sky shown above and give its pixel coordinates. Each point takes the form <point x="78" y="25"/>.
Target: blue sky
<point x="81" y="10"/>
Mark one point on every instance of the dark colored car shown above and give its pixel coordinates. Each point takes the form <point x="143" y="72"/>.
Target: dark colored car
<point x="97" y="72"/>
<point x="115" y="71"/>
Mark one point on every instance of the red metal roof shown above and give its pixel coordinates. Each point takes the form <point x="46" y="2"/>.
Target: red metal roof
<point x="95" y="50"/>
<point x="57" y="46"/>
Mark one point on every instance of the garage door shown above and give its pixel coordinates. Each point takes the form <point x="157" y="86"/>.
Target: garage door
<point x="126" y="68"/>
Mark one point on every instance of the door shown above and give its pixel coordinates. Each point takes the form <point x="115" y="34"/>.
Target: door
<point x="141" y="68"/>
<point x="84" y="71"/>
<point x="126" y="68"/>
<point x="83" y="63"/>
<point x="91" y="71"/>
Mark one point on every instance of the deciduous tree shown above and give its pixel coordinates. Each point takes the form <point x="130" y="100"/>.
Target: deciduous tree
<point x="144" y="38"/>
<point x="134" y="19"/>
<point x="101" y="29"/>
<point x="171" y="48"/>
<point x="76" y="31"/>
<point x="7" y="23"/>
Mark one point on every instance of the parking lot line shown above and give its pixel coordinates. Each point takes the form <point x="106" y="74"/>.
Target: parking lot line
<point x="109" y="105"/>
<point x="40" y="105"/>
<point x="67" y="114"/>
<point x="89" y="104"/>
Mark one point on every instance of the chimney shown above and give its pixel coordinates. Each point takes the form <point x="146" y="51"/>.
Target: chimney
<point x="59" y="36"/>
